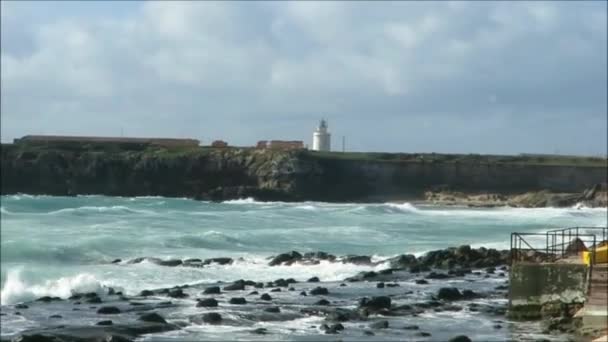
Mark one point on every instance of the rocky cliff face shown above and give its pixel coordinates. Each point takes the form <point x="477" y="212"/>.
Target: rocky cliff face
<point x="219" y="174"/>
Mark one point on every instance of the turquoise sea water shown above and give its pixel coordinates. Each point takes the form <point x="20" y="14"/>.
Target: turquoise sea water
<point x="55" y="245"/>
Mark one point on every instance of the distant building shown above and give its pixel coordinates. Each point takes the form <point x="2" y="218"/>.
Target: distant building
<point x="49" y="139"/>
<point x="219" y="143"/>
<point x="321" y="138"/>
<point x="280" y="144"/>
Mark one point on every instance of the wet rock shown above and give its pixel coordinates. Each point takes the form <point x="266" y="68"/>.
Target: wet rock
<point x="108" y="310"/>
<point x="501" y="287"/>
<point x="421" y="281"/>
<point x="192" y="261"/>
<point x="221" y="261"/>
<point x="423" y="334"/>
<point x="470" y="294"/>
<point x="411" y="327"/>
<point x="276" y="290"/>
<point x="490" y="270"/>
<point x="48" y="299"/>
<point x="322" y="302"/>
<point x="207" y="303"/>
<point x="265" y="296"/>
<point x="55" y="316"/>
<point x="116" y="261"/>
<point x="253" y="293"/>
<point x="136" y="260"/>
<point x="238" y="300"/>
<point x="357" y="260"/>
<point x="285" y="258"/>
<point x="146" y="293"/>
<point x="392" y="285"/>
<point x="212" y="318"/>
<point x="313" y="280"/>
<point x="376" y="303"/>
<point x="171" y="263"/>
<point x="419" y="268"/>
<point x="319" y="291"/>
<point x="21" y="306"/>
<point x="303" y="293"/>
<point x="94" y="300"/>
<point x="342" y="315"/>
<point x="460" y="338"/>
<point x="368" y="333"/>
<point x="236" y="286"/>
<point x="36" y="338"/>
<point x="259" y="331"/>
<point x="386" y="271"/>
<point x="152" y="317"/>
<point x="280" y="283"/>
<point x="379" y="325"/>
<point x="449" y="293"/>
<point x="291" y="289"/>
<point x="106" y="322"/>
<point x="258" y="285"/>
<point x="403" y="261"/>
<point x="332" y="329"/>
<point x="497" y="326"/>
<point x="212" y="290"/>
<point x="434" y="275"/>
<point x="380" y="285"/>
<point x="342" y="285"/>
<point x="273" y="309"/>
<point x="177" y="293"/>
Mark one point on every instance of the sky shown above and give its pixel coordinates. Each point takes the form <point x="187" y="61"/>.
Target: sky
<point x="447" y="77"/>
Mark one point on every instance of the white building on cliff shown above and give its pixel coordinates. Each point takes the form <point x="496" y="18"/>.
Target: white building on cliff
<point x="321" y="139"/>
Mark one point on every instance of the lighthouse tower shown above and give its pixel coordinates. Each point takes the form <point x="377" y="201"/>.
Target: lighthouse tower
<point x="321" y="139"/>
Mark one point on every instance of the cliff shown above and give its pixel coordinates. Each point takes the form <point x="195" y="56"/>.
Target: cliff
<point x="227" y="173"/>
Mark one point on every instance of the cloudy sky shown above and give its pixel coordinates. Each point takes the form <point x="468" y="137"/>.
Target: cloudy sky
<point x="472" y="77"/>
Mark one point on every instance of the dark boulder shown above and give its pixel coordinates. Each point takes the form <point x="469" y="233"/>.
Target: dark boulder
<point x="236" y="286"/>
<point x="265" y="296"/>
<point x="421" y="281"/>
<point x="108" y="310"/>
<point x="107" y="322"/>
<point x="357" y="260"/>
<point x="212" y="290"/>
<point x="171" y="263"/>
<point x="221" y="261"/>
<point x="380" y="285"/>
<point x="177" y="293"/>
<point x="273" y="309"/>
<point x="376" y="303"/>
<point x="212" y="318"/>
<point x="313" y="280"/>
<point x="319" y="291"/>
<point x="152" y="317"/>
<point x="259" y="331"/>
<point x="379" y="325"/>
<point x="449" y="293"/>
<point x="276" y="290"/>
<point x="238" y="300"/>
<point x="207" y="302"/>
<point x="48" y="299"/>
<point x="434" y="275"/>
<point x="286" y="258"/>
<point x="403" y="261"/>
<point x="322" y="302"/>
<point x="21" y="306"/>
<point x="146" y="293"/>
<point x="460" y="338"/>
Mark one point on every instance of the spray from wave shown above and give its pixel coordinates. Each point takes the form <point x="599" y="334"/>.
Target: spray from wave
<point x="17" y="290"/>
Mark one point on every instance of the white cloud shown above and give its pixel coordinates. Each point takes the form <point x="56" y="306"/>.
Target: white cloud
<point x="183" y="67"/>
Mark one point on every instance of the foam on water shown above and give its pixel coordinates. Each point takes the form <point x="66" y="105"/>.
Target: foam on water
<point x="16" y="290"/>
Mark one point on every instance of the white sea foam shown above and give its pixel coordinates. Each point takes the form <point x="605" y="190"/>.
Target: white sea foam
<point x="103" y="209"/>
<point x="16" y="290"/>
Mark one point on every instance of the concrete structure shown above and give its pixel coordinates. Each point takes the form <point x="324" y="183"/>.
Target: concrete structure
<point x="535" y="288"/>
<point x="321" y="138"/>
<point x="50" y="139"/>
<point x="281" y="144"/>
<point x="219" y="143"/>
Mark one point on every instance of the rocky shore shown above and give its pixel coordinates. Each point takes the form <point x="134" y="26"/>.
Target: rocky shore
<point x="593" y="197"/>
<point x="393" y="301"/>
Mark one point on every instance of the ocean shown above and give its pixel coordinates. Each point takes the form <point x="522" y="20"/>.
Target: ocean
<point x="56" y="246"/>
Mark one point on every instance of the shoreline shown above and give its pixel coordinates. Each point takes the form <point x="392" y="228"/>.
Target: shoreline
<point x="374" y="305"/>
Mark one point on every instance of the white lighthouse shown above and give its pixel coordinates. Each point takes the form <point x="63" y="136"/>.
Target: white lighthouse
<point x="321" y="139"/>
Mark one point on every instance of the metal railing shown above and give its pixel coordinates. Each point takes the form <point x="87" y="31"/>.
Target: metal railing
<point x="558" y="244"/>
